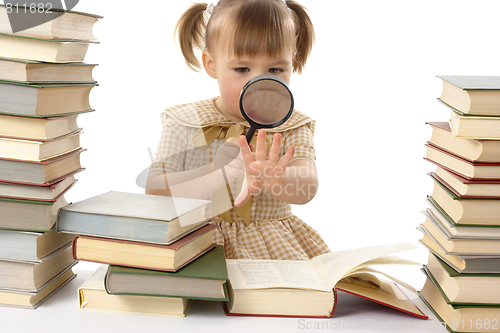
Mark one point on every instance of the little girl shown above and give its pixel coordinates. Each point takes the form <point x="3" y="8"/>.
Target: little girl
<point x="242" y="39"/>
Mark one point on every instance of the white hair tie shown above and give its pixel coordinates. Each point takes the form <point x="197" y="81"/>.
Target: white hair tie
<point x="210" y="8"/>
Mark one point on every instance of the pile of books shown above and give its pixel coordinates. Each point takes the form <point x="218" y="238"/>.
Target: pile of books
<point x="44" y="86"/>
<point x="462" y="227"/>
<point x="158" y="250"/>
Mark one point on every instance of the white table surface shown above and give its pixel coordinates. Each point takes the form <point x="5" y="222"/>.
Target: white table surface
<point x="61" y="313"/>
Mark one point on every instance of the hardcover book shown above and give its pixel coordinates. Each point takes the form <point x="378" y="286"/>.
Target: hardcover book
<point x="43" y="100"/>
<point x="46" y="172"/>
<point x="205" y="278"/>
<point x="144" y="255"/>
<point x="463" y="318"/>
<point x="92" y="295"/>
<point x="463" y="288"/>
<point x="31" y="246"/>
<point x="467" y="169"/>
<point x="133" y="216"/>
<point x="307" y="288"/>
<point x="478" y="95"/>
<point x="42" y="72"/>
<point x="470" y="149"/>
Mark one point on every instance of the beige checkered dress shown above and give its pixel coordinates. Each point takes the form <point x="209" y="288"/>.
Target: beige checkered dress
<point x="274" y="232"/>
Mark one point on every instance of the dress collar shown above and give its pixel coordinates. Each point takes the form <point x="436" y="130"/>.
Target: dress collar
<point x="204" y="113"/>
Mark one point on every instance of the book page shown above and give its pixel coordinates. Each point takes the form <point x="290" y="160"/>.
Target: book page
<point x="335" y="265"/>
<point x="258" y="274"/>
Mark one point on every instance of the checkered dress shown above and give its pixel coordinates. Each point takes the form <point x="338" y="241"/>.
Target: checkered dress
<point x="274" y="232"/>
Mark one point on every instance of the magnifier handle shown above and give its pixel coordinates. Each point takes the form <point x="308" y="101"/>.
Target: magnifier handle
<point x="250" y="134"/>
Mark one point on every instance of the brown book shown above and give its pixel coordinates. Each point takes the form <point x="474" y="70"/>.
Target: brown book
<point x="44" y="100"/>
<point x="447" y="178"/>
<point x="464" y="188"/>
<point x="46" y="172"/>
<point x="465" y="168"/>
<point x="33" y="150"/>
<point x="145" y="255"/>
<point x="38" y="72"/>
<point x="49" y="193"/>
<point x="469" y="149"/>
<point x="470" y="211"/>
<point x="41" y="129"/>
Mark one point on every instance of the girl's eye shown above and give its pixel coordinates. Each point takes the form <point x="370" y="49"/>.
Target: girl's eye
<point x="275" y="70"/>
<point x="242" y="70"/>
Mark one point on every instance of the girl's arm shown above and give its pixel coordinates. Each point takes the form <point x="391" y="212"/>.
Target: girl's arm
<point x="299" y="184"/>
<point x="201" y="182"/>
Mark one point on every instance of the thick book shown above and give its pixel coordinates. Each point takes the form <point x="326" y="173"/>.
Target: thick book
<point x="463" y="288"/>
<point x="307" y="288"/>
<point x="31" y="246"/>
<point x="34" y="72"/>
<point x="92" y="295"/>
<point x="29" y="215"/>
<point x="133" y="216"/>
<point x="470" y="149"/>
<point x="56" y="23"/>
<point x="41" y="129"/>
<point x="32" y="150"/>
<point x="475" y="127"/>
<point x="477" y="95"/>
<point x="463" y="318"/>
<point x="42" y="49"/>
<point x="44" y="100"/>
<point x="455" y="231"/>
<point x="144" y="255"/>
<point x="466" y="211"/>
<point x="32" y="300"/>
<point x="39" y="192"/>
<point x="462" y="264"/>
<point x="45" y="173"/>
<point x="205" y="278"/>
<point x="462" y="187"/>
<point x="460" y="247"/>
<point x="467" y="169"/>
<point x="33" y="276"/>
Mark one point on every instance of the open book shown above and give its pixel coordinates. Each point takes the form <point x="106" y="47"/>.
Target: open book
<point x="308" y="288"/>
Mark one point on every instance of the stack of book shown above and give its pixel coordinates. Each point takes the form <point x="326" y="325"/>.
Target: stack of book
<point x="159" y="251"/>
<point x="43" y="87"/>
<point x="462" y="226"/>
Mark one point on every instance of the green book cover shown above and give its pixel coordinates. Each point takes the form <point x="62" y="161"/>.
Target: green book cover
<point x="455" y="305"/>
<point x="211" y="265"/>
<point x="453" y="273"/>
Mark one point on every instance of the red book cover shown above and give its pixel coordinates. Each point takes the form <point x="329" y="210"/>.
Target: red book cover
<point x="420" y="315"/>
<point x="448" y="186"/>
<point x="37" y="199"/>
<point x="174" y="246"/>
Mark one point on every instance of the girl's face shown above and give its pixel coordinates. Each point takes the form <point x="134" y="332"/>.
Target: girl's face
<point x="233" y="73"/>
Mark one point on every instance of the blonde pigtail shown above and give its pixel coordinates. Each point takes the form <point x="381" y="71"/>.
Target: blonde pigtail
<point x="190" y="30"/>
<point x="304" y="32"/>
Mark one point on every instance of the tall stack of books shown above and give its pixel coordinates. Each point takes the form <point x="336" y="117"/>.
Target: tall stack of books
<point x="44" y="86"/>
<point x="159" y="251"/>
<point x="462" y="229"/>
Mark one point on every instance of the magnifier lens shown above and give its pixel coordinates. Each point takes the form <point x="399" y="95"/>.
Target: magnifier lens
<point x="266" y="102"/>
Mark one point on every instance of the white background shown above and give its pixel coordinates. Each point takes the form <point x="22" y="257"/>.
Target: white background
<point x="370" y="83"/>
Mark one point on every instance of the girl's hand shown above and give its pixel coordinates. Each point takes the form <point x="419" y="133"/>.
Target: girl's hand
<point x="263" y="173"/>
<point x="229" y="157"/>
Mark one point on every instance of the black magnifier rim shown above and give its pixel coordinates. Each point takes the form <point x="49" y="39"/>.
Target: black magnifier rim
<point x="261" y="78"/>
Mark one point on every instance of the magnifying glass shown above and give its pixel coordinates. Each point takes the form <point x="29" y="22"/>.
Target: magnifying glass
<point x="266" y="101"/>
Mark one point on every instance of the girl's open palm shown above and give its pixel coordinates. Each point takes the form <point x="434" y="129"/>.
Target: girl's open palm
<point x="263" y="172"/>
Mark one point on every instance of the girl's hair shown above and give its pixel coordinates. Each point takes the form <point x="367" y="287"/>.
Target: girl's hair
<point x="250" y="27"/>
